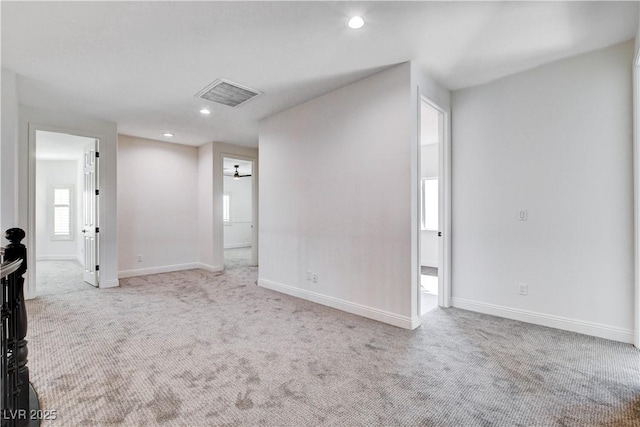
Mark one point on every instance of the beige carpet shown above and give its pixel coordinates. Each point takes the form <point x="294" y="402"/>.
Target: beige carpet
<point x="201" y="349"/>
<point x="55" y="277"/>
<point x="237" y="258"/>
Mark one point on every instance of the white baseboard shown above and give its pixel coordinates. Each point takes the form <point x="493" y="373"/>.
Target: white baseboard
<point x="558" y="322"/>
<point x="168" y="269"/>
<point x="340" y="304"/>
<point x="210" y="268"/>
<point x="113" y="283"/>
<point x="237" y="245"/>
<point x="57" y="258"/>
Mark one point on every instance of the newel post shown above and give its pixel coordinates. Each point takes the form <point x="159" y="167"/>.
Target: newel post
<point x="13" y="251"/>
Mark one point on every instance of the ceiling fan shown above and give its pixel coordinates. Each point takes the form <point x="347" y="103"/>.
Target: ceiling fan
<point x="236" y="175"/>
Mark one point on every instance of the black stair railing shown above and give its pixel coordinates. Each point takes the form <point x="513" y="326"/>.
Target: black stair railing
<point x="17" y="410"/>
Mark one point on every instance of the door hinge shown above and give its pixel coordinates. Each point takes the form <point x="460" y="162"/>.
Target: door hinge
<point x="97" y="268"/>
<point x="97" y="192"/>
<point x="97" y="229"/>
<point x="97" y="154"/>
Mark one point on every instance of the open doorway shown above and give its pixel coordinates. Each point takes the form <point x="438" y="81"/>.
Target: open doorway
<point x="237" y="213"/>
<point x="432" y="123"/>
<point x="66" y="256"/>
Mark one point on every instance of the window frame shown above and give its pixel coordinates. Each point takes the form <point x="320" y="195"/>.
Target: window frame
<point x="423" y="203"/>
<point x="226" y="221"/>
<point x="70" y="205"/>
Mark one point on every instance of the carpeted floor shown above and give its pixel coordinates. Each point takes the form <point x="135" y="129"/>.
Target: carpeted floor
<point x="55" y="277"/>
<point x="237" y="258"/>
<point x="195" y="348"/>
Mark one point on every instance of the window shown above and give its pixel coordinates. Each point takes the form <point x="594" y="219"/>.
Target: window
<point x="226" y="209"/>
<point x="429" y="207"/>
<point x="62" y="213"/>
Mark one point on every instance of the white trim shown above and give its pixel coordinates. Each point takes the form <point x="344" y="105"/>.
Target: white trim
<point x="168" y="269"/>
<point x="549" y="320"/>
<point x="636" y="196"/>
<point x="340" y="304"/>
<point x="104" y="284"/>
<point x="237" y="245"/>
<point x="209" y="268"/>
<point x="448" y="211"/>
<point x="58" y="258"/>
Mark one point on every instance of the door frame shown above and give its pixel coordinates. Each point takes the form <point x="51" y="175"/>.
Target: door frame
<point x="254" y="203"/>
<point x="444" y="176"/>
<point x="636" y="196"/>
<point x="30" y="288"/>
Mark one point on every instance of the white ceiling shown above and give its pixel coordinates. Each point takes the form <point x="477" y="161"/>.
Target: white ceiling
<point x="60" y="146"/>
<point x="140" y="63"/>
<point x="243" y="169"/>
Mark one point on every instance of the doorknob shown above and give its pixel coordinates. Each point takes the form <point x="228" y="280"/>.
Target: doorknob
<point x="84" y="231"/>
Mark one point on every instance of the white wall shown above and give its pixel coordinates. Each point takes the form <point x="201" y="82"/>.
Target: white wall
<point x="170" y="205"/>
<point x="237" y="234"/>
<point x="157" y="206"/>
<point x="429" y="238"/>
<point x="8" y="152"/>
<point x="557" y="141"/>
<point x="50" y="174"/>
<point x="32" y="118"/>
<point x="338" y="196"/>
<point x="205" y="209"/>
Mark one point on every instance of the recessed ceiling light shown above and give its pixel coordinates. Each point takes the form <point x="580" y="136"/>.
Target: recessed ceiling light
<point x="205" y="111"/>
<point x="168" y="134"/>
<point x="355" y="23"/>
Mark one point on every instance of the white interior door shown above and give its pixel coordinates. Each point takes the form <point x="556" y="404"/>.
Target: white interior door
<point x="89" y="211"/>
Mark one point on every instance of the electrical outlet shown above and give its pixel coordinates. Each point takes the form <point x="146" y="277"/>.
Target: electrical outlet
<point x="315" y="278"/>
<point x="522" y="215"/>
<point x="139" y="258"/>
<point x="309" y="274"/>
<point x="523" y="289"/>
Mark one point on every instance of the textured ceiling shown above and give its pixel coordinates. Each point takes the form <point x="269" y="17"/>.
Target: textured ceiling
<point x="141" y="63"/>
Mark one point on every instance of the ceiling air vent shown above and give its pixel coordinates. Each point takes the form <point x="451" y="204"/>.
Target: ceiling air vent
<point x="228" y="93"/>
